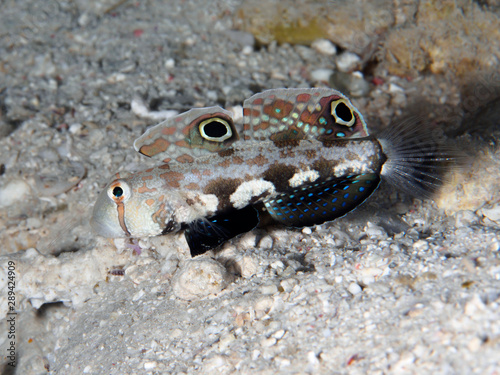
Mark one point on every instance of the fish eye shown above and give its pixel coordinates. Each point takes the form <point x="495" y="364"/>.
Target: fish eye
<point x="342" y="112"/>
<point x="119" y="191"/>
<point x="215" y="129"/>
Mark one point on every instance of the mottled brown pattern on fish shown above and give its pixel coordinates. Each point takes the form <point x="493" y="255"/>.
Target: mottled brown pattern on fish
<point x="164" y="166"/>
<point x="144" y="189"/>
<point x="323" y="167"/>
<point x="172" y="178"/>
<point x="150" y="202"/>
<point x="238" y="160"/>
<point x="192" y="186"/>
<point x="195" y="200"/>
<point x="282" y="143"/>
<point x="222" y="188"/>
<point x="286" y="153"/>
<point x="260" y="160"/>
<point x="207" y="172"/>
<point x="226" y="153"/>
<point x="279" y="174"/>
<point x="185" y="158"/>
<point x="146" y="177"/>
<point x="331" y="143"/>
<point x="225" y="164"/>
<point x="158" y="214"/>
<point x="311" y="154"/>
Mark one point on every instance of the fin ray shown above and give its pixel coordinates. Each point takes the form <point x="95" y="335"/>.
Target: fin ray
<point x="416" y="161"/>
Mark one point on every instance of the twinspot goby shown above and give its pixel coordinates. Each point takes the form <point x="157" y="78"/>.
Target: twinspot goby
<point x="299" y="157"/>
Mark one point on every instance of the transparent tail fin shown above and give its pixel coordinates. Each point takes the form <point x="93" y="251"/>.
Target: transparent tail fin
<point x="417" y="161"/>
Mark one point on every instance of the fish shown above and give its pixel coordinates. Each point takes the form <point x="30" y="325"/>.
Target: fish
<point x="297" y="158"/>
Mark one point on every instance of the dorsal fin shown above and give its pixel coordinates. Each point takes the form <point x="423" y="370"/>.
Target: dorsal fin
<point x="195" y="133"/>
<point x="283" y="115"/>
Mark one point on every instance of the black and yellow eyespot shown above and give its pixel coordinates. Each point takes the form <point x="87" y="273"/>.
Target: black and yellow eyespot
<point x="343" y="113"/>
<point x="215" y="129"/>
<point x="119" y="191"/>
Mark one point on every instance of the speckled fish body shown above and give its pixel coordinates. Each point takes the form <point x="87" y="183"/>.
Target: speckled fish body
<point x="304" y="157"/>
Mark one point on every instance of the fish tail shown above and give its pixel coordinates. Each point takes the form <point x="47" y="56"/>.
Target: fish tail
<point x="417" y="161"/>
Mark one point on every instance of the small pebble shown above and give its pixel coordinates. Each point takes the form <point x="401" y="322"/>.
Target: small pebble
<point x="12" y="192"/>
<point x="421" y="245"/>
<point x="75" y="128"/>
<point x="324" y="46"/>
<point x="150" y="365"/>
<point x="393" y="88"/>
<point x="247" y="241"/>
<point x="306" y="230"/>
<point x="137" y="296"/>
<point x="288" y="284"/>
<point x="199" y="278"/>
<point x="269" y="289"/>
<point x="279" y="334"/>
<point x="353" y="84"/>
<point x="33" y="223"/>
<point x="465" y="218"/>
<point x="347" y="62"/>
<point x="374" y="230"/>
<point x="266" y="243"/>
<point x="247" y="50"/>
<point x="354" y="288"/>
<point x="255" y="354"/>
<point x="225" y="341"/>
<point x="266" y="343"/>
<point x="313" y="360"/>
<point x="169" y="63"/>
<point x="492" y="212"/>
<point x="249" y="266"/>
<point x="321" y="75"/>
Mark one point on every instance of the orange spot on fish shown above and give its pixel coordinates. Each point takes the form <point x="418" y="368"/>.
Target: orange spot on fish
<point x="185" y="158"/>
<point x="193" y="186"/>
<point x="158" y="146"/>
<point x="172" y="178"/>
<point x="144" y="189"/>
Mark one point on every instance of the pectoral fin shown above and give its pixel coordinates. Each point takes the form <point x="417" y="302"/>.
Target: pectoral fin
<point x="314" y="203"/>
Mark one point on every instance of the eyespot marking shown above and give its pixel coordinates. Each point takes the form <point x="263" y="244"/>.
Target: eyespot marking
<point x="343" y="113"/>
<point x="215" y="129"/>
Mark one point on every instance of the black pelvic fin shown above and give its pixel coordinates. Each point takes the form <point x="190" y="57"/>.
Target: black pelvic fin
<point x="208" y="233"/>
<point x="314" y="203"/>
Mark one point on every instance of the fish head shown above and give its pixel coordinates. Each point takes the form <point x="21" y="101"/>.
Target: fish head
<point x="126" y="209"/>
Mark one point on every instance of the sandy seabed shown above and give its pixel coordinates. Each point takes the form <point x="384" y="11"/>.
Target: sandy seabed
<point x="399" y="286"/>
